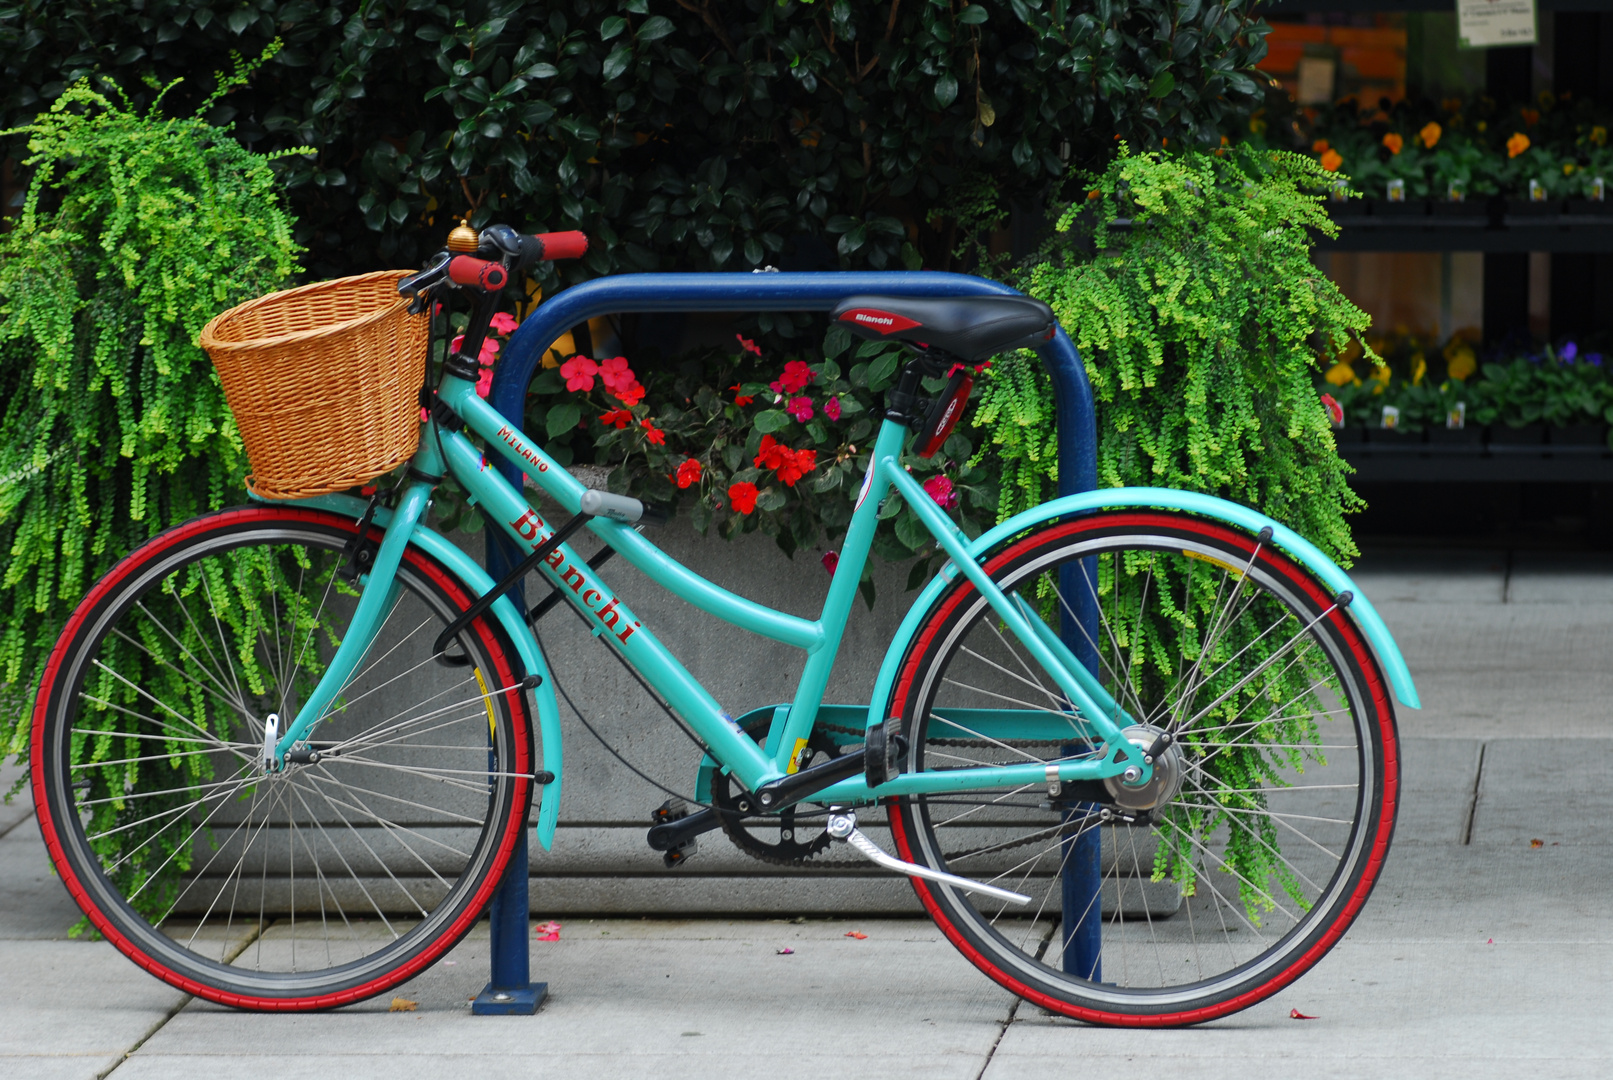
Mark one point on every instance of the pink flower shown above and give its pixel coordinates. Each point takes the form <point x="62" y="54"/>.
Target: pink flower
<point x="453" y="346"/>
<point x="831" y="408"/>
<point x="616" y="373"/>
<point x="794" y="380"/>
<point x="940" y="489"/>
<point x="747" y="344"/>
<point x="484" y="382"/>
<point x="488" y="353"/>
<point x="800" y="408"/>
<point x="579" y="373"/>
<point x="503" y="323"/>
<point x="830" y="561"/>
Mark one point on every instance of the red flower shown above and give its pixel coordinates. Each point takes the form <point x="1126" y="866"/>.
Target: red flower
<point x="651" y="432"/>
<point x="743" y="496"/>
<point x="741" y="399"/>
<point x="790" y="465"/>
<point x="1335" y="411"/>
<point x="579" y="373"/>
<point x="631" y="394"/>
<point x="747" y="344"/>
<point x="795" y="379"/>
<point x="800" y="408"/>
<point x="689" y="473"/>
<point x="770" y="454"/>
<point x="831" y="561"/>
<point x="617" y="418"/>
<point x="831" y="408"/>
<point x="484" y="382"/>
<point x="940" y="489"/>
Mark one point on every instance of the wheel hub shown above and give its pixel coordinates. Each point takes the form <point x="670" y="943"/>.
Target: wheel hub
<point x="1160" y="788"/>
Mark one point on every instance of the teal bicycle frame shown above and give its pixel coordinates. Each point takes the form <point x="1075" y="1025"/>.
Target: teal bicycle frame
<point x="1095" y="719"/>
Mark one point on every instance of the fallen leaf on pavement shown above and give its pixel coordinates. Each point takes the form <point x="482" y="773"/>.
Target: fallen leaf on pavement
<point x="1490" y="942"/>
<point x="1295" y="1014"/>
<point x="549" y="931"/>
<point x="403" y="1005"/>
<point x="857" y="934"/>
<point x="1537" y="843"/>
<point x="786" y="951"/>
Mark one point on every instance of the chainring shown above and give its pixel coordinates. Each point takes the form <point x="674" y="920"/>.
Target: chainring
<point x="790" y="849"/>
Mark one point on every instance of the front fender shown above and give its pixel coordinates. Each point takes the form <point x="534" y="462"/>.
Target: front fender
<point x="1365" y="615"/>
<point x="532" y="659"/>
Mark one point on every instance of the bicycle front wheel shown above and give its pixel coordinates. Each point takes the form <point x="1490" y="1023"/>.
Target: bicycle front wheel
<point x="327" y="882"/>
<point x="1263" y="831"/>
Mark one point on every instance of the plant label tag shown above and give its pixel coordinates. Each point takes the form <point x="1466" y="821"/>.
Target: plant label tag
<point x="1391" y="417"/>
<point x="1482" y="24"/>
<point x="1456" y="419"/>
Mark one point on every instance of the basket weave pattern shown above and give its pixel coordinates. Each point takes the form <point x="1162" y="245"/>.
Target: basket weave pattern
<point x="324" y="382"/>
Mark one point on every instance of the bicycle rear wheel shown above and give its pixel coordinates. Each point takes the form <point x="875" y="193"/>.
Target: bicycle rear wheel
<point x="316" y="886"/>
<point x="1263" y="832"/>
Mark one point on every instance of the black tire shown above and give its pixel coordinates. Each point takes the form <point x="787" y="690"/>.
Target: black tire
<point x="1231" y="887"/>
<point x="309" y="888"/>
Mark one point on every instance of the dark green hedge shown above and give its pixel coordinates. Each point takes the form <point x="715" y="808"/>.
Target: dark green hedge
<point x="687" y="134"/>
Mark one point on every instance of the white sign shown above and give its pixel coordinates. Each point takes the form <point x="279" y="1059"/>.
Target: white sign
<point x="1482" y="24"/>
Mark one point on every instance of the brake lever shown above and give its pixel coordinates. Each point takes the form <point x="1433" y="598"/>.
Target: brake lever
<point x="417" y="284"/>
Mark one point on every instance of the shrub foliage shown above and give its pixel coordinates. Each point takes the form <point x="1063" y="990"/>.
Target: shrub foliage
<point x="136" y="231"/>
<point x="683" y="134"/>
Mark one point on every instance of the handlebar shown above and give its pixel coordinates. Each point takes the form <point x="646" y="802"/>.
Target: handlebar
<point x="501" y="253"/>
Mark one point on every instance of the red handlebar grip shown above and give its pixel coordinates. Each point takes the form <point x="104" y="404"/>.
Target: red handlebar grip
<point x="563" y="245"/>
<point x="468" y="270"/>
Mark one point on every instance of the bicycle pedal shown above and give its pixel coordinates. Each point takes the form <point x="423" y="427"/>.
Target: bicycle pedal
<point x="882" y="752"/>
<point x="680" y="855"/>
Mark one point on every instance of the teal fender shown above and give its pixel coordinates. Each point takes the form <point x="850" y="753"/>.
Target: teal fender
<point x="1361" y="610"/>
<point x="471" y="573"/>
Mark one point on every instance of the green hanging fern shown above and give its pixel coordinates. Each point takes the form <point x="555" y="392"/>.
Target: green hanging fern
<point x="136" y="230"/>
<point x="1187" y="284"/>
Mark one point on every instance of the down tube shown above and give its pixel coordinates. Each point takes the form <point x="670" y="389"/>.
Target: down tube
<point x="608" y="616"/>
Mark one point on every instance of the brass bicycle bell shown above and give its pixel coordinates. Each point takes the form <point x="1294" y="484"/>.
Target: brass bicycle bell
<point x="463" y="239"/>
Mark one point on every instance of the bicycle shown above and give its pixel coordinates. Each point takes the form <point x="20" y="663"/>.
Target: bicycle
<point x="318" y="725"/>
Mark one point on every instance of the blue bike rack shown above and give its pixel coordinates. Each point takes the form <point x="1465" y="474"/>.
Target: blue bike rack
<point x="510" y="990"/>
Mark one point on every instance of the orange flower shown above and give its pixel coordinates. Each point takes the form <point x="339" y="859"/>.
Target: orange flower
<point x="1331" y="161"/>
<point x="1517" y="144"/>
<point x="1394" y="142"/>
<point x="1599" y="135"/>
<point x="1319" y="146"/>
<point x="1531" y="117"/>
<point x="1430" y="134"/>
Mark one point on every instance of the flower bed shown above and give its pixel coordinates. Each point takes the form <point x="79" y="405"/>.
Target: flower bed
<point x="1411" y="387"/>
<point x="1463" y="151"/>
<point x="746" y="442"/>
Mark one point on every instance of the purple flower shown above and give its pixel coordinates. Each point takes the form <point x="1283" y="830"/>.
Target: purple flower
<point x="1595" y="358"/>
<point x="1570" y="350"/>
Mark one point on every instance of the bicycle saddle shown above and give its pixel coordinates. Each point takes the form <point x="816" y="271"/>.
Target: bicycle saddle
<point x="969" y="327"/>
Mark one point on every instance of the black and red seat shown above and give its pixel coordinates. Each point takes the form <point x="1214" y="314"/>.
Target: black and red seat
<point x="970" y="328"/>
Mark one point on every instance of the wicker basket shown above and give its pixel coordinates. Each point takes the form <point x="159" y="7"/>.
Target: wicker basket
<point x="324" y="381"/>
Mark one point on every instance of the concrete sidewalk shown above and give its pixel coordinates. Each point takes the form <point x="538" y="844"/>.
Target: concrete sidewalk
<point x="1479" y="955"/>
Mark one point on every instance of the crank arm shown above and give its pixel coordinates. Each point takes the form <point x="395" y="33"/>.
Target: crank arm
<point x="843" y="826"/>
